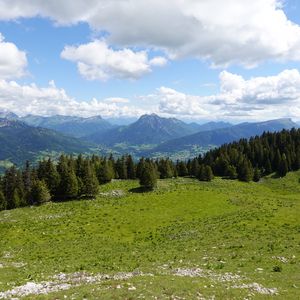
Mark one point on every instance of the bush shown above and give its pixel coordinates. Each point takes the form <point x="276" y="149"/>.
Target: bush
<point x="277" y="269"/>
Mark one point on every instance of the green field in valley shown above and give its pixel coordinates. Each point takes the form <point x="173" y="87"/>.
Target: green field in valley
<point x="185" y="240"/>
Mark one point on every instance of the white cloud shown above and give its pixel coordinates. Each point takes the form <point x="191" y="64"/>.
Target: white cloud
<point x="117" y="100"/>
<point x="224" y="32"/>
<point x="258" y="98"/>
<point x="13" y="61"/>
<point x="97" y="61"/>
<point x="31" y="99"/>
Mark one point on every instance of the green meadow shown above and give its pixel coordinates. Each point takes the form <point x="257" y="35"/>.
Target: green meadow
<point x="185" y="240"/>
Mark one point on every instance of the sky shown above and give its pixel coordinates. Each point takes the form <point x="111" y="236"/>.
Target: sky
<point x="196" y="60"/>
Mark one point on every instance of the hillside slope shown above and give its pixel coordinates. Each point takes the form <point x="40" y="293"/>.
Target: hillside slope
<point x="224" y="239"/>
<point x="73" y="126"/>
<point x="148" y="129"/>
<point x="224" y="135"/>
<point x="20" y="142"/>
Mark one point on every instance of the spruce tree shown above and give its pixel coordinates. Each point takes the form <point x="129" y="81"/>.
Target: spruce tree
<point x="3" y="202"/>
<point x="201" y="173"/>
<point x="208" y="173"/>
<point x="105" y="172"/>
<point x="52" y="178"/>
<point x="90" y="184"/>
<point x="257" y="174"/>
<point x="148" y="177"/>
<point x="131" y="173"/>
<point x="282" y="166"/>
<point x="40" y="192"/>
<point x="68" y="186"/>
<point x="231" y="172"/>
<point x="182" y="169"/>
<point x="245" y="172"/>
<point x="194" y="167"/>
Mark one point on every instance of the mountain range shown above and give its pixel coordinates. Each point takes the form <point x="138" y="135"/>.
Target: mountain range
<point x="221" y="136"/>
<point x="148" y="129"/>
<point x="20" y="142"/>
<point x="32" y="136"/>
<point x="73" y="126"/>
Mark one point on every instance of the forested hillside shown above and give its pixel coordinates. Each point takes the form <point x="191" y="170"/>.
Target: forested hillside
<point x="21" y="142"/>
<point x="79" y="177"/>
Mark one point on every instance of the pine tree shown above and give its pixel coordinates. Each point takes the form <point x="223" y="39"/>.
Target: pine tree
<point x="257" y="174"/>
<point x="201" y="173"/>
<point x="40" y="192"/>
<point x="52" y="178"/>
<point x="245" y="171"/>
<point x="90" y="184"/>
<point x="194" y="167"/>
<point x="27" y="180"/>
<point x="121" y="168"/>
<point x="3" y="202"/>
<point x="148" y="177"/>
<point x="268" y="167"/>
<point x="208" y="174"/>
<point x="68" y="186"/>
<point x="165" y="168"/>
<point x="105" y="171"/>
<point x="182" y="169"/>
<point x="231" y="172"/>
<point x="131" y="174"/>
<point x="282" y="166"/>
<point x="9" y="187"/>
<point x="140" y="167"/>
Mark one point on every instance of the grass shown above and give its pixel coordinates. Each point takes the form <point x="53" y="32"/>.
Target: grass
<point x="250" y="231"/>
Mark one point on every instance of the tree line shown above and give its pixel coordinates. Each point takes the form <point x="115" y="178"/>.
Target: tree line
<point x="79" y="177"/>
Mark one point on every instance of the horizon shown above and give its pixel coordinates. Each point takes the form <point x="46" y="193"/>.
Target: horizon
<point x="127" y="121"/>
<point x="77" y="60"/>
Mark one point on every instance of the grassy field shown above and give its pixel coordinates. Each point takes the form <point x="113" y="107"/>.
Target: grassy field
<point x="186" y="240"/>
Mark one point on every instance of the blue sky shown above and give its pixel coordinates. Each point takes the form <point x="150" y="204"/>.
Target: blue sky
<point x="183" y="81"/>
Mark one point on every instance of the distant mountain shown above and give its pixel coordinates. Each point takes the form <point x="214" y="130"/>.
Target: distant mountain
<point x="212" y="126"/>
<point x="121" y="121"/>
<point x="148" y="129"/>
<point x="8" y="115"/>
<point x="73" y="126"/>
<point x="221" y="136"/>
<point x="20" y="141"/>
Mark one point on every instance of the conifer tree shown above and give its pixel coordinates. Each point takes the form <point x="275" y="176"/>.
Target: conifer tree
<point x="181" y="168"/>
<point x="268" y="167"/>
<point x="208" y="173"/>
<point x="3" y="202"/>
<point x="90" y="184"/>
<point x="148" y="177"/>
<point x="245" y="171"/>
<point x="194" y="167"/>
<point x="40" y="192"/>
<point x="131" y="173"/>
<point x="121" y="168"/>
<point x="105" y="171"/>
<point x="231" y="172"/>
<point x="68" y="186"/>
<point x="257" y="174"/>
<point x="282" y="166"/>
<point x="27" y="180"/>
<point x="52" y="178"/>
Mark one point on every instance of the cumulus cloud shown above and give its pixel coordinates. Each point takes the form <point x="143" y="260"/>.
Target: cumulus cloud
<point x="97" y="61"/>
<point x="50" y="100"/>
<point x="223" y="32"/>
<point x="257" y="98"/>
<point x="13" y="61"/>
